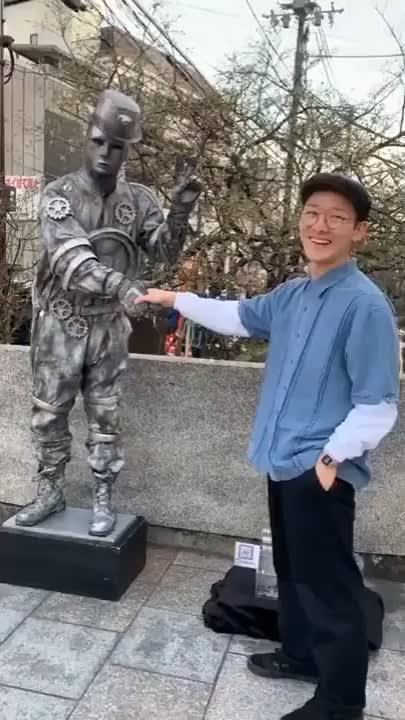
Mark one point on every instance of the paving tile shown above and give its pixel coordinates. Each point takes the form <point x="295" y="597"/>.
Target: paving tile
<point x="96" y="613"/>
<point x="394" y="622"/>
<point x="189" y="558"/>
<point x="171" y="644"/>
<point x="183" y="589"/>
<point x="23" y="705"/>
<point x="119" y="694"/>
<point x="22" y="599"/>
<point x="9" y="620"/>
<point x="52" y="657"/>
<point x="385" y="688"/>
<point x="157" y="561"/>
<point x="242" y="645"/>
<point x="240" y="694"/>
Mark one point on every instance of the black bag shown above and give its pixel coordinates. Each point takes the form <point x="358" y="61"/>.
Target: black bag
<point x="233" y="608"/>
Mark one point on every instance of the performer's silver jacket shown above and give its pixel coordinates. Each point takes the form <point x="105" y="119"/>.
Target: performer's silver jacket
<point x="92" y="246"/>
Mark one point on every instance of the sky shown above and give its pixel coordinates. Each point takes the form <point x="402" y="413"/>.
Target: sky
<point x="209" y="31"/>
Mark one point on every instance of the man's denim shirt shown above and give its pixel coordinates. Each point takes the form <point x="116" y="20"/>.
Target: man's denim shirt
<point x="333" y="344"/>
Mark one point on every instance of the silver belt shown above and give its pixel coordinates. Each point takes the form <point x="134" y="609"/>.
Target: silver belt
<point x="73" y="316"/>
<point x="111" y="309"/>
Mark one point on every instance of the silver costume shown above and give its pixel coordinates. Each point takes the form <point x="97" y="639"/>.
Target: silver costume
<point x="95" y="227"/>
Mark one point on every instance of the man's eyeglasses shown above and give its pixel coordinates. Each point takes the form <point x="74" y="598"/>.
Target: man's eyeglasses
<point x="333" y="220"/>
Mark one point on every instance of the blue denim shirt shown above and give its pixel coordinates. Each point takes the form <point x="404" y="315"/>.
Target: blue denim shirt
<point x="333" y="344"/>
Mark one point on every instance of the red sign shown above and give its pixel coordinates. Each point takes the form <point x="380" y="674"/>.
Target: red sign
<point x="23" y="182"/>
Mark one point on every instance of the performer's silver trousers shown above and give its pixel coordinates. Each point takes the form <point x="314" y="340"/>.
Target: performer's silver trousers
<point x="64" y="366"/>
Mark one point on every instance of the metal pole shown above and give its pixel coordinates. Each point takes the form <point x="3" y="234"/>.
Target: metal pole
<point x="3" y="196"/>
<point x="297" y="92"/>
<point x="304" y="10"/>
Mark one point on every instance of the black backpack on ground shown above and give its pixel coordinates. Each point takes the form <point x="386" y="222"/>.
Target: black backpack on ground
<point x="233" y="608"/>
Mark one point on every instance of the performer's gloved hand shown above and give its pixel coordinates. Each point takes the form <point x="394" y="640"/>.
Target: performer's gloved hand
<point x="128" y="292"/>
<point x="188" y="188"/>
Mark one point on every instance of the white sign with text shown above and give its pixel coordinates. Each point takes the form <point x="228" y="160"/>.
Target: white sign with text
<point x="246" y="555"/>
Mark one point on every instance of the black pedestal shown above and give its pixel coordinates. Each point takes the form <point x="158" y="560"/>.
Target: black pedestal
<point x="59" y="555"/>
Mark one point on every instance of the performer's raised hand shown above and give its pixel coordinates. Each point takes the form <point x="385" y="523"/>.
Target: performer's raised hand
<point x="188" y="184"/>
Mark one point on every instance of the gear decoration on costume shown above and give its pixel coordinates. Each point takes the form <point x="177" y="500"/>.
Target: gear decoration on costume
<point x="125" y="213"/>
<point x="76" y="327"/>
<point x="58" y="208"/>
<point x="61" y="308"/>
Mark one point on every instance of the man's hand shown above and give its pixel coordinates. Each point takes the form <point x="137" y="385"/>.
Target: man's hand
<point x="326" y="474"/>
<point x="154" y="296"/>
<point x="129" y="296"/>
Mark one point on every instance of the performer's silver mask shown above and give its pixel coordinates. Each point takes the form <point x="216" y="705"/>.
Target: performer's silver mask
<point x="114" y="125"/>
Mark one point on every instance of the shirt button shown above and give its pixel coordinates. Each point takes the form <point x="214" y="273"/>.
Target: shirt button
<point x="305" y="308"/>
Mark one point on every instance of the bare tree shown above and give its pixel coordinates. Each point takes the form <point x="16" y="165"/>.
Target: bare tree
<point x="238" y="133"/>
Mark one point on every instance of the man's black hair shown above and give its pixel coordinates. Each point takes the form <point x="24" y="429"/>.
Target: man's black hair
<point x="352" y="190"/>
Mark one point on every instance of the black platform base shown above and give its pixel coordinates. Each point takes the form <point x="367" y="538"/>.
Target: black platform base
<point x="59" y="555"/>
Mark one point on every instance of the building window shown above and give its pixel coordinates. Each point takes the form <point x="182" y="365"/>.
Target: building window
<point x="34" y="39"/>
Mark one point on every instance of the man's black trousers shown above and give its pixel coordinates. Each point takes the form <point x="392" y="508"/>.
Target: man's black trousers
<point x="322" y="614"/>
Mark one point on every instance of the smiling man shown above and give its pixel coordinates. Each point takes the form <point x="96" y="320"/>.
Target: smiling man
<point x="329" y="395"/>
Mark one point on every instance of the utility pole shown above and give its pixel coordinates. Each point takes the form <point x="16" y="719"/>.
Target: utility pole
<point x="2" y="153"/>
<point x="304" y="11"/>
<point x="349" y="136"/>
<point x="5" y="76"/>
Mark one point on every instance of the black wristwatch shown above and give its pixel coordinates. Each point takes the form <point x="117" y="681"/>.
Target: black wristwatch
<point x="328" y="461"/>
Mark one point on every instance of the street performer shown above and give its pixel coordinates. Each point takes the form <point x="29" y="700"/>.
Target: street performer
<point x="95" y="227"/>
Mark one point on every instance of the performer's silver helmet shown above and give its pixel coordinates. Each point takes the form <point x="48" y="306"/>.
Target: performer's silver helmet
<point x="118" y="117"/>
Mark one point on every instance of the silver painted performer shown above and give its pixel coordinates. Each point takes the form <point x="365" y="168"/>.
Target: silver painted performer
<point x="94" y="226"/>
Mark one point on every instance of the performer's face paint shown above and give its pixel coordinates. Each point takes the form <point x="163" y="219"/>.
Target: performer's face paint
<point x="103" y="156"/>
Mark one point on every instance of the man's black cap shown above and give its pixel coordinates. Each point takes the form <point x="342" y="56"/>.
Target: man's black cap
<point x="352" y="190"/>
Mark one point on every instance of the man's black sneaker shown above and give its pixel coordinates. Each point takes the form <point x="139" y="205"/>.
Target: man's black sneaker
<point x="313" y="710"/>
<point x="277" y="665"/>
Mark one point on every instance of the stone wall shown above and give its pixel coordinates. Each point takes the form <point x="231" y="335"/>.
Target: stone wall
<point x="186" y="429"/>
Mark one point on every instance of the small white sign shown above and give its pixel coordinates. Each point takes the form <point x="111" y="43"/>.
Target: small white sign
<point x="247" y="555"/>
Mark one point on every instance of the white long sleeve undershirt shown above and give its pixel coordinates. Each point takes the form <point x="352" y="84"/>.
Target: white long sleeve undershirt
<point x="364" y="427"/>
<point x="221" y="316"/>
<point x="362" y="430"/>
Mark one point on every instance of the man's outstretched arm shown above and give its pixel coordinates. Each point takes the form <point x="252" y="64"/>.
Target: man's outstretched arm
<point x="243" y="318"/>
<point x="221" y="316"/>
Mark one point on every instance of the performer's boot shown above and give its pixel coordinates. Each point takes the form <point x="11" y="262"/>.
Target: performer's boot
<point x="104" y="518"/>
<point x="50" y="498"/>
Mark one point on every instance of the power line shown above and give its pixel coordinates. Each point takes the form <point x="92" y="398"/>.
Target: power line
<point x="326" y="51"/>
<point x="325" y="46"/>
<point x="359" y="57"/>
<point x="172" y="44"/>
<point x="323" y="59"/>
<point x="208" y="10"/>
<point x="147" y="31"/>
<point x="127" y="20"/>
<point x="130" y="18"/>
<point x="265" y="34"/>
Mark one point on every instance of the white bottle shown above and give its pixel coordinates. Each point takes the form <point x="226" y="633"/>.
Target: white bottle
<point x="266" y="585"/>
